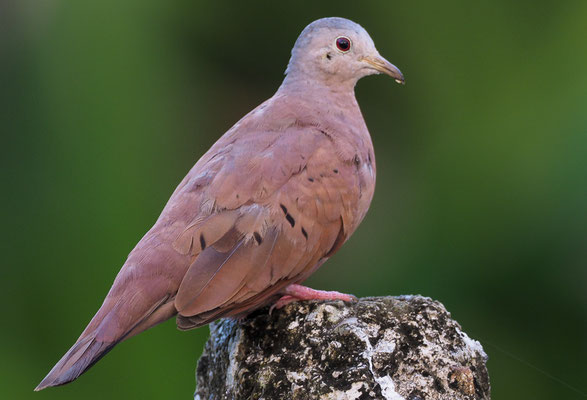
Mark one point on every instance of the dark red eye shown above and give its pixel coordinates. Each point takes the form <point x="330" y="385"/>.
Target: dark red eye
<point x="343" y="44"/>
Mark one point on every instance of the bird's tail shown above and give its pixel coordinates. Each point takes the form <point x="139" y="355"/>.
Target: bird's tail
<point x="82" y="355"/>
<point x="117" y="320"/>
<point x="103" y="332"/>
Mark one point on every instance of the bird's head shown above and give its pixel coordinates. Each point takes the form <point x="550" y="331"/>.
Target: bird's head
<point x="337" y="50"/>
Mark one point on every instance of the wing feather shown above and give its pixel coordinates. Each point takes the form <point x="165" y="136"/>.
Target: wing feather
<point x="274" y="221"/>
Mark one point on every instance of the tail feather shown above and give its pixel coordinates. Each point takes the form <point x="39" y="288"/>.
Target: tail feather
<point x="85" y="353"/>
<point x="117" y="320"/>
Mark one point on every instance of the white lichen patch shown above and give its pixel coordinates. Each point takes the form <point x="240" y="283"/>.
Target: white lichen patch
<point x="388" y="388"/>
<point x="353" y="393"/>
<point x="385" y="382"/>
<point x="232" y="370"/>
<point x="294" y="376"/>
<point x="473" y="345"/>
<point x="387" y="343"/>
<point x="293" y="324"/>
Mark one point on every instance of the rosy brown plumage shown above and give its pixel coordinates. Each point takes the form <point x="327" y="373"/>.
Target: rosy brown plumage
<point x="267" y="205"/>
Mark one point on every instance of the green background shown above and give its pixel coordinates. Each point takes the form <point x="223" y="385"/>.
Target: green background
<point x="482" y="174"/>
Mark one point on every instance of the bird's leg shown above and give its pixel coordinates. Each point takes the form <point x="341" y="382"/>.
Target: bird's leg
<point x="298" y="292"/>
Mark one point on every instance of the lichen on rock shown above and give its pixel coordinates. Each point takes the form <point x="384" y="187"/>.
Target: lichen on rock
<point x="393" y="348"/>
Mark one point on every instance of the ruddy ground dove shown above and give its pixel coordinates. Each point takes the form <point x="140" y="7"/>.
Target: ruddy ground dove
<point x="267" y="205"/>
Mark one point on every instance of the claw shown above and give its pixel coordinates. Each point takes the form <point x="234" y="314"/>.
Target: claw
<point x="282" y="302"/>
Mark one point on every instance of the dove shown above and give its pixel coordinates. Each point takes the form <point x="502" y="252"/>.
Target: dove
<point x="274" y="198"/>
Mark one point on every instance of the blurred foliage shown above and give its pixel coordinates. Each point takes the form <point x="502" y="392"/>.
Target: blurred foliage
<point x="482" y="178"/>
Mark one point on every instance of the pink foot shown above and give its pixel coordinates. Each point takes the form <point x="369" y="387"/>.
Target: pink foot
<point x="298" y="292"/>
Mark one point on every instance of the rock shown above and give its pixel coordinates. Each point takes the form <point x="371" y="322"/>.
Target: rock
<point x="390" y="348"/>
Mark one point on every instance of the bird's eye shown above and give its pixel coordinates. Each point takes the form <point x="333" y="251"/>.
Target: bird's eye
<point x="343" y="44"/>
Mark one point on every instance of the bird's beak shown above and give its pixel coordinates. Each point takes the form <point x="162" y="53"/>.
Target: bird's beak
<point x="381" y="65"/>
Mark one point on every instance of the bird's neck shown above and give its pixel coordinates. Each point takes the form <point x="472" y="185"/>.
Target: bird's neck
<point x="303" y="85"/>
<point x="333" y="107"/>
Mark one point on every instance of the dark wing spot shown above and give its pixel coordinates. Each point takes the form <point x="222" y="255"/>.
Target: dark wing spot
<point x="290" y="219"/>
<point x="311" y="179"/>
<point x="304" y="233"/>
<point x="258" y="237"/>
<point x="335" y="171"/>
<point x="202" y="241"/>
<point x="326" y="134"/>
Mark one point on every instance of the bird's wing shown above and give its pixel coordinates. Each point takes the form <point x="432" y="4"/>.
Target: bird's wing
<point x="276" y="205"/>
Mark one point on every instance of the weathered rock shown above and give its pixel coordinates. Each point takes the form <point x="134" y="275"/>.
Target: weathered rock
<point x="391" y="348"/>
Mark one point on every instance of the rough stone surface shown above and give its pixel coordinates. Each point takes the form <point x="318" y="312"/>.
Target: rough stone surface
<point x="392" y="348"/>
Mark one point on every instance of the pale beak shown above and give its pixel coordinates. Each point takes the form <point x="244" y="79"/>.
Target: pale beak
<point x="381" y="65"/>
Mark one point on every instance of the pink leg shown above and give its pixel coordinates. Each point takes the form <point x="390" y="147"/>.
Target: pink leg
<point x="298" y="292"/>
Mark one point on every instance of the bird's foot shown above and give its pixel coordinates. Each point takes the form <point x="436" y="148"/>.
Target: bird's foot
<point x="298" y="292"/>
